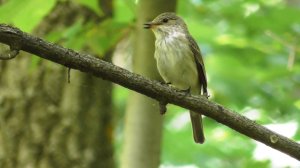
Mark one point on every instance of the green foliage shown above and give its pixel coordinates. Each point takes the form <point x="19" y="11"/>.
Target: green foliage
<point x="247" y="46"/>
<point x="25" y="14"/>
<point x="99" y="38"/>
<point x="246" y="53"/>
<point x="125" y="10"/>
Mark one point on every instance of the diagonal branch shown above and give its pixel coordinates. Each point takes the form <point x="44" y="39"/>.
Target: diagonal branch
<point x="86" y="63"/>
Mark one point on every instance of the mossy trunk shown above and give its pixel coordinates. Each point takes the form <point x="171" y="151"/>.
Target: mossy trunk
<point x="45" y="121"/>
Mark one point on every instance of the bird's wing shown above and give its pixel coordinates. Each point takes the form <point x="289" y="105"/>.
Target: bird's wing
<point x="200" y="64"/>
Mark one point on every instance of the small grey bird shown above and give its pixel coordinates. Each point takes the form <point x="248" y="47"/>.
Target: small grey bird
<point x="179" y="61"/>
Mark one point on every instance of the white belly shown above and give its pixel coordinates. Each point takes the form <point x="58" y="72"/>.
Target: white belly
<point x="176" y="65"/>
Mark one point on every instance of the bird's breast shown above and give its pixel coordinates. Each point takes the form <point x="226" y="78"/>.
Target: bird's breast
<point x="176" y="63"/>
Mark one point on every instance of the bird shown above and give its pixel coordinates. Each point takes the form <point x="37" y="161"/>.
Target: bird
<point x="179" y="61"/>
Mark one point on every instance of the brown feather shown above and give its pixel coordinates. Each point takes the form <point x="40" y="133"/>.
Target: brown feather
<point x="196" y="118"/>
<point x="200" y="64"/>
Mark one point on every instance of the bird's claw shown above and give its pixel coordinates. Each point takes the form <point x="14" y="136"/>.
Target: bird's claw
<point x="187" y="91"/>
<point x="165" y="83"/>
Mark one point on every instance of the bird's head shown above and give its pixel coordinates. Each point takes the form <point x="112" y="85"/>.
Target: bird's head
<point x="166" y="24"/>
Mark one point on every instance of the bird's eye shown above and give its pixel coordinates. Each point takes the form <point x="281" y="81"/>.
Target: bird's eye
<point x="165" y="20"/>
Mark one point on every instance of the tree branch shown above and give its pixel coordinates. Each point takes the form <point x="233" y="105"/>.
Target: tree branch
<point x="86" y="63"/>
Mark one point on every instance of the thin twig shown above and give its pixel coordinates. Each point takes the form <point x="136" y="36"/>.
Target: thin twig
<point x="291" y="48"/>
<point x="162" y="107"/>
<point x="69" y="75"/>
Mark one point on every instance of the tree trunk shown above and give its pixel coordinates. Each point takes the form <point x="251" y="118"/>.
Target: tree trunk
<point x="294" y="3"/>
<point x="46" y="122"/>
<point x="143" y="123"/>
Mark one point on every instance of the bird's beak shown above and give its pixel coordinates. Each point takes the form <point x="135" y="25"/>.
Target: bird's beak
<point x="150" y="25"/>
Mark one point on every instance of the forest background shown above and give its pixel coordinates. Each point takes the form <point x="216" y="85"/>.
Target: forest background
<point x="251" y="52"/>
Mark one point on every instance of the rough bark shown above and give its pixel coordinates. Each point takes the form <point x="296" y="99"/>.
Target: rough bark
<point x="143" y="123"/>
<point x="46" y="122"/>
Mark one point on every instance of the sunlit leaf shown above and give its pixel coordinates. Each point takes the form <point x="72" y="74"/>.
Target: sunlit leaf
<point x="25" y="14"/>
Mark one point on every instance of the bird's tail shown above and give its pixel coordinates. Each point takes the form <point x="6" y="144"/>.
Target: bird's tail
<point x="197" y="125"/>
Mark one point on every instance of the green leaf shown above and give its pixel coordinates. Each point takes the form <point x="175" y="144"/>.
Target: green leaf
<point x="92" y="4"/>
<point x="104" y="36"/>
<point x="124" y="10"/>
<point x="25" y="14"/>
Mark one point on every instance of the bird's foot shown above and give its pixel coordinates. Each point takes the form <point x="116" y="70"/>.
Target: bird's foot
<point x="206" y="95"/>
<point x="165" y="83"/>
<point x="187" y="91"/>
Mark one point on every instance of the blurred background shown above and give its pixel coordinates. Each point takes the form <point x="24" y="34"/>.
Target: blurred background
<point x="251" y="53"/>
